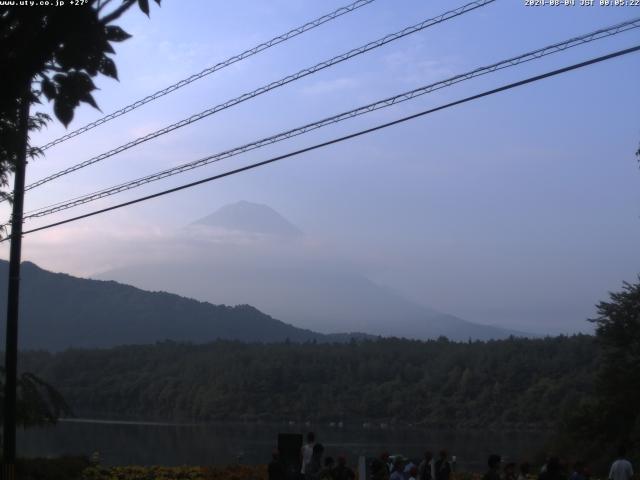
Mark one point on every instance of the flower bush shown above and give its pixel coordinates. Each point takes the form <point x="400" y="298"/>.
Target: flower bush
<point x="232" y="472"/>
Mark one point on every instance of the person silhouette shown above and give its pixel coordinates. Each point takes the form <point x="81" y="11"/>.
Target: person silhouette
<point x="493" y="462"/>
<point x="307" y="451"/>
<point x="621" y="468"/>
<point x="552" y="470"/>
<point x="313" y="468"/>
<point x="443" y="467"/>
<point x="398" y="466"/>
<point x="327" y="472"/>
<point x="424" y="468"/>
<point x="276" y="468"/>
<point x="342" y="471"/>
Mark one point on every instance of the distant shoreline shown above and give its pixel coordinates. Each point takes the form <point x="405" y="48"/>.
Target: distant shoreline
<point x="129" y="422"/>
<point x="298" y="425"/>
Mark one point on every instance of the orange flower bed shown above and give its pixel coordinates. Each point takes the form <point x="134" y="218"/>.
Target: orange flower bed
<point x="231" y="472"/>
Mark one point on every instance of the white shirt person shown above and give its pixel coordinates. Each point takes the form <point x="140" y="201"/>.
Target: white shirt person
<point x="621" y="469"/>
<point x="307" y="451"/>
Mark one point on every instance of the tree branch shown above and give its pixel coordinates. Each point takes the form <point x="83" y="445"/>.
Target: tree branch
<point x="126" y="5"/>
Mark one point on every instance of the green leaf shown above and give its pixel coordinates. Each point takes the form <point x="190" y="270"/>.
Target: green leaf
<point x="108" y="67"/>
<point x="88" y="98"/>
<point x="72" y="54"/>
<point x="81" y="82"/>
<point x="63" y="110"/>
<point x="73" y="88"/>
<point x="107" y="48"/>
<point x="116" y="34"/>
<point x="144" y="6"/>
<point x="48" y="88"/>
<point x="93" y="63"/>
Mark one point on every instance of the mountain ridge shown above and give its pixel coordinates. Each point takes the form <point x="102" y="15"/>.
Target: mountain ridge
<point x="60" y="311"/>
<point x="258" y="257"/>
<point x="308" y="297"/>
<point x="249" y="217"/>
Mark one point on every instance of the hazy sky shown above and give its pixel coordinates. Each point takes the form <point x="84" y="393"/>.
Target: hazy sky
<point x="520" y="209"/>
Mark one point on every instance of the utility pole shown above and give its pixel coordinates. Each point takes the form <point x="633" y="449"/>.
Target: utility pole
<point x="13" y="298"/>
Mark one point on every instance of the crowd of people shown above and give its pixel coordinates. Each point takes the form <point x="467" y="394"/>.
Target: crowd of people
<point x="397" y="467"/>
<point x="555" y="469"/>
<point x="316" y="466"/>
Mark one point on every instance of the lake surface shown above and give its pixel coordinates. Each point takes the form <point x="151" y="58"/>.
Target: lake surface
<point x="139" y="443"/>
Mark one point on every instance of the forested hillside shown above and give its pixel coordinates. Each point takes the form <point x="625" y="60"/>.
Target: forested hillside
<point x="516" y="382"/>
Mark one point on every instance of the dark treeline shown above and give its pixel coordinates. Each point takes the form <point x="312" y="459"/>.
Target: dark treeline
<point x="519" y="383"/>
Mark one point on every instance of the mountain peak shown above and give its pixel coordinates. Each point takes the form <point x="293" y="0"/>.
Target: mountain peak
<point x="250" y="217"/>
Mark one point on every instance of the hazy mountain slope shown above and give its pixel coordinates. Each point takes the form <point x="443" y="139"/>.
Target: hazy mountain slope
<point x="317" y="298"/>
<point x="247" y="253"/>
<point x="59" y="311"/>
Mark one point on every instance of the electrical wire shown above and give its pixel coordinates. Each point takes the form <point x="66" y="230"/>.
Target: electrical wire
<point x="341" y="139"/>
<point x="208" y="71"/>
<point x="273" y="85"/>
<point x="387" y="102"/>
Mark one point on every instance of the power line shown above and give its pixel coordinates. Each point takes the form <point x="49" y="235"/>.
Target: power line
<point x="343" y="138"/>
<point x="208" y="71"/>
<point x="266" y="88"/>
<point x="514" y="61"/>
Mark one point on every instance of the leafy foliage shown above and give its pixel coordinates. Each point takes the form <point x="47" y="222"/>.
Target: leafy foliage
<point x="618" y="333"/>
<point x="518" y="382"/>
<point x="63" y="468"/>
<point x="611" y="417"/>
<point x="53" y="52"/>
<point x="38" y="403"/>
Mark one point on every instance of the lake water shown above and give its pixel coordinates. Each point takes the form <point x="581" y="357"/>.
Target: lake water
<point x="139" y="443"/>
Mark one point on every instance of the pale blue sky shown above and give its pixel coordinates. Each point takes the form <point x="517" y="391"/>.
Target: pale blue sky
<point x="520" y="209"/>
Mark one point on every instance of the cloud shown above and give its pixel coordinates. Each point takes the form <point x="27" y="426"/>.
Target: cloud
<point x="330" y="86"/>
<point x="83" y="248"/>
<point x="415" y="65"/>
<point x="95" y="246"/>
